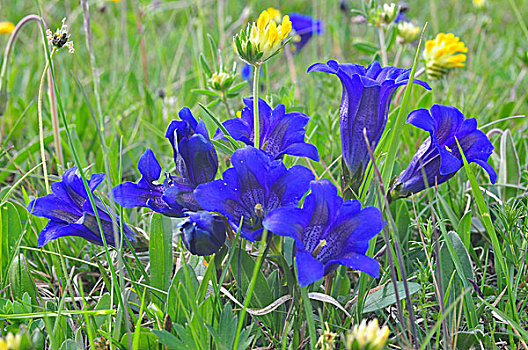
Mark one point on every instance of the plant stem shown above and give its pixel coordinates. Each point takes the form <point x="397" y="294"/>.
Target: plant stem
<point x="398" y="55"/>
<point x="7" y="53"/>
<point x="256" y="121"/>
<point x="41" y="126"/>
<point x="383" y="47"/>
<point x="262" y="252"/>
<point x="226" y="105"/>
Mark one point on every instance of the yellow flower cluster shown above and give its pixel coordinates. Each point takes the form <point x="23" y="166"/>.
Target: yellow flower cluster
<point x="6" y="27"/>
<point x="367" y="336"/>
<point x="443" y="53"/>
<point x="262" y="39"/>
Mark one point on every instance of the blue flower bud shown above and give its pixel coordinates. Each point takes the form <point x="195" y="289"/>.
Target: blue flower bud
<point x="203" y="233"/>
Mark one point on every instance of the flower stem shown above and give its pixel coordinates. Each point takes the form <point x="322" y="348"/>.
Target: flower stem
<point x="383" y="47"/>
<point x="7" y="53"/>
<point x="41" y="126"/>
<point x="264" y="246"/>
<point x="256" y="121"/>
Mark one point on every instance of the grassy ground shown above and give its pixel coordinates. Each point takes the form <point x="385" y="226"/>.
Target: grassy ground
<point x="468" y="279"/>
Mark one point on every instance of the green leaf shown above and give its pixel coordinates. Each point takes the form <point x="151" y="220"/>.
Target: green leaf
<point x="464" y="230"/>
<point x="365" y="47"/>
<point x="237" y="87"/>
<point x="509" y="167"/>
<point x="170" y="340"/>
<point x="448" y="263"/>
<point x="220" y="125"/>
<point x="262" y="295"/>
<point x="179" y="295"/>
<point x="19" y="277"/>
<point x="205" y="92"/>
<point x="506" y="109"/>
<point x="205" y="66"/>
<point x="147" y="340"/>
<point x="69" y="344"/>
<point x="10" y="235"/>
<point x="102" y="304"/>
<point x="385" y="296"/>
<point x="160" y="251"/>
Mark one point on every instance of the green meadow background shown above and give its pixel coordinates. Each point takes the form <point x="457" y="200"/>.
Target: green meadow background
<point x="145" y="65"/>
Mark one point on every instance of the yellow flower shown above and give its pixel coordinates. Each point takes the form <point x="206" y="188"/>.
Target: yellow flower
<point x="367" y="336"/>
<point x="6" y="27"/>
<point x="11" y="342"/>
<point x="327" y="339"/>
<point x="443" y="53"/>
<point x="479" y="3"/>
<point x="408" y="32"/>
<point x="262" y="39"/>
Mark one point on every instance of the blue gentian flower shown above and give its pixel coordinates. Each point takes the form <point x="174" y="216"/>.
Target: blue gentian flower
<point x="305" y="27"/>
<point x="252" y="188"/>
<point x="247" y="71"/>
<point x="196" y="163"/>
<point x="438" y="158"/>
<point x="367" y="93"/>
<point x="328" y="232"/>
<point x="280" y="132"/>
<point x="203" y="233"/>
<point x="71" y="214"/>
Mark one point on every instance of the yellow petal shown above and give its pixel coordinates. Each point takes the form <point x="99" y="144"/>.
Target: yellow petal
<point x="274" y="14"/>
<point x="285" y="27"/>
<point x="263" y="21"/>
<point x="273" y="35"/>
<point x="457" y="58"/>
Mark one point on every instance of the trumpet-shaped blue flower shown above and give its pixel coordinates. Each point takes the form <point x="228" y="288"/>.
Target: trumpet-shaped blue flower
<point x="196" y="163"/>
<point x="280" y="132"/>
<point x="328" y="232"/>
<point x="367" y="93"/>
<point x="305" y="27"/>
<point x="71" y="213"/>
<point x="203" y="233"/>
<point x="438" y="158"/>
<point x="252" y="188"/>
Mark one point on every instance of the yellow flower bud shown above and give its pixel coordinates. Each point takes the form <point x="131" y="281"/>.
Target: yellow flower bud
<point x="408" y="32"/>
<point x="6" y="27"/>
<point x="479" y="3"/>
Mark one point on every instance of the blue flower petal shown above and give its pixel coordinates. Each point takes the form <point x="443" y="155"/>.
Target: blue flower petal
<point x="55" y="229"/>
<point x="309" y="269"/>
<point x="359" y="262"/>
<point x="321" y="205"/>
<point x="149" y="166"/>
<point x="287" y="221"/>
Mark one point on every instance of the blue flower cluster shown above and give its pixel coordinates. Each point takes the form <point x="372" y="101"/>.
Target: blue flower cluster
<point x="258" y="192"/>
